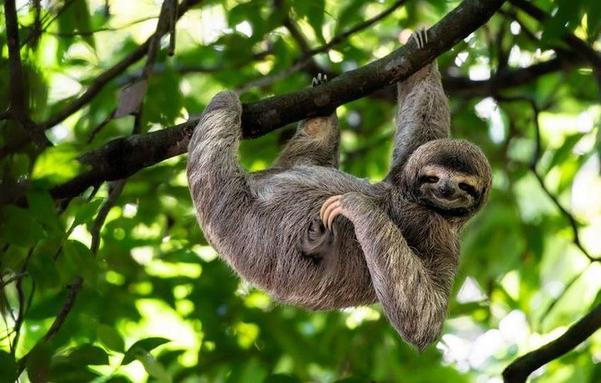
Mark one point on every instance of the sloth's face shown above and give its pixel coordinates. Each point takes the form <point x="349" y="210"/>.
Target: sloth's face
<point x="450" y="192"/>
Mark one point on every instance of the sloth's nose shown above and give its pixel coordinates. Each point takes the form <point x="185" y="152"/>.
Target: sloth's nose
<point x="447" y="189"/>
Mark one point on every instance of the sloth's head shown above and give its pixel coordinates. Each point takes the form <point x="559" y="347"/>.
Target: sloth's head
<point x="449" y="176"/>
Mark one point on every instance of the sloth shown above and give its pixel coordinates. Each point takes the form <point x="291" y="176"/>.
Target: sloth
<point x="316" y="237"/>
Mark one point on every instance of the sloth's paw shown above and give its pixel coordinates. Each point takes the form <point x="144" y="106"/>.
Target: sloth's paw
<point x="420" y="36"/>
<point x="320" y="79"/>
<point x="226" y="100"/>
<point x="351" y="205"/>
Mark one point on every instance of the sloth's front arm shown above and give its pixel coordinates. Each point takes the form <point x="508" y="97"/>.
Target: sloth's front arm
<point x="413" y="298"/>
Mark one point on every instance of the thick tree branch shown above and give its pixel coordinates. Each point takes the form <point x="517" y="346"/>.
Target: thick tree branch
<point x="123" y="157"/>
<point x="519" y="370"/>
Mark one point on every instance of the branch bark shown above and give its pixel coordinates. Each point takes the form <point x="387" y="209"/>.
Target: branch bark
<point x="123" y="157"/>
<point x="18" y="99"/>
<point x="519" y="370"/>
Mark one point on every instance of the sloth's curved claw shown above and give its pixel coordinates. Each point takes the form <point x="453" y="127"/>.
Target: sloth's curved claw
<point x="330" y="209"/>
<point x="320" y="79"/>
<point x="420" y="36"/>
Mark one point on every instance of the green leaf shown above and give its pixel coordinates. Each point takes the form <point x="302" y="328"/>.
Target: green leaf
<point x="314" y="12"/>
<point x="18" y="227"/>
<point x="83" y="210"/>
<point x="565" y="20"/>
<point x="153" y="367"/>
<point x="593" y="12"/>
<point x="8" y="366"/>
<point x="351" y="379"/>
<point x="80" y="259"/>
<point x="141" y="346"/>
<point x="42" y="266"/>
<point x="13" y="258"/>
<point x="42" y="207"/>
<point x="563" y="152"/>
<point x="76" y="18"/>
<point x="88" y="354"/>
<point x="38" y="363"/>
<point x="58" y="163"/>
<point x="350" y="14"/>
<point x="110" y="338"/>
<point x="281" y="378"/>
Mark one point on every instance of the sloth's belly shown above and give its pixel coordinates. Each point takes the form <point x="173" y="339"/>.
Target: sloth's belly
<point x="286" y="203"/>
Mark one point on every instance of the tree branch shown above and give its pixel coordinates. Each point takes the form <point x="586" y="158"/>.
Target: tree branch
<point x="125" y="156"/>
<point x="507" y="78"/>
<point x="18" y="94"/>
<point x="72" y="291"/>
<point x="538" y="150"/>
<point x="519" y="370"/>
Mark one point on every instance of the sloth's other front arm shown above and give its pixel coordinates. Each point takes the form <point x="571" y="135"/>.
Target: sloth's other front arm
<point x="413" y="297"/>
<point x="423" y="109"/>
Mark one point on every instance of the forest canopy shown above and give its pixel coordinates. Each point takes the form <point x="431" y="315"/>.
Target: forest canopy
<point x="106" y="276"/>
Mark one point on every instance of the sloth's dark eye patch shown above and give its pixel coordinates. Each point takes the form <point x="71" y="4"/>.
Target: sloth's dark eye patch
<point x="428" y="179"/>
<point x="469" y="189"/>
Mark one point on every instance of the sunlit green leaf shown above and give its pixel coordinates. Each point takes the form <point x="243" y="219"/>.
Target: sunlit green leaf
<point x="110" y="337"/>
<point x="141" y="347"/>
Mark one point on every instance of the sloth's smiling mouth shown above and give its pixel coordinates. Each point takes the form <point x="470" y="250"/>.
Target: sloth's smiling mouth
<point x="445" y="202"/>
<point x="445" y="207"/>
<point x="454" y="206"/>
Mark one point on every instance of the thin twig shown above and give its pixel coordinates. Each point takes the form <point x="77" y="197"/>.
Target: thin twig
<point x="35" y="33"/>
<point x="115" y="190"/>
<point x="540" y="179"/>
<point x="566" y="288"/>
<point x="99" y="30"/>
<point x="359" y="27"/>
<point x="519" y="370"/>
<point x="21" y="299"/>
<point x="172" y="21"/>
<point x="102" y="124"/>
<point x="13" y="278"/>
<point x="73" y="289"/>
<point x="307" y="59"/>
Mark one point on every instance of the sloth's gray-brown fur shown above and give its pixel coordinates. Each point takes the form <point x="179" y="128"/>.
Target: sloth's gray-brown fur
<point x="393" y="242"/>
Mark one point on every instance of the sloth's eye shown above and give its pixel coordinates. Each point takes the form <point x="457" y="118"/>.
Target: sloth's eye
<point x="429" y="179"/>
<point x="467" y="188"/>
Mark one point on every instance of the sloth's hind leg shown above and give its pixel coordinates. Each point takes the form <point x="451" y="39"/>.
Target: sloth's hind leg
<point x="315" y="142"/>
